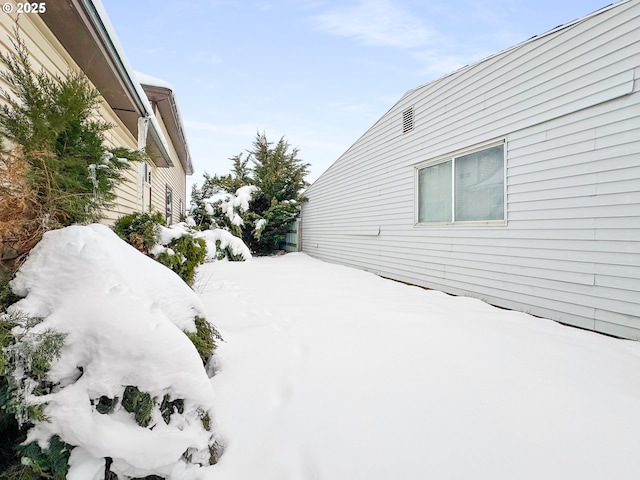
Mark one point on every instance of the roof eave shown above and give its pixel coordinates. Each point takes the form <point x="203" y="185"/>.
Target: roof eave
<point x="83" y="29"/>
<point x="166" y="103"/>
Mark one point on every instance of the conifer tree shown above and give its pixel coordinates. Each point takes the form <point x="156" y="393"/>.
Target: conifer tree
<point x="67" y="173"/>
<point x="280" y="177"/>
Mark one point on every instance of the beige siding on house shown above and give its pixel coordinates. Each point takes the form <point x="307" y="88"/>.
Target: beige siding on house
<point x="175" y="178"/>
<point x="567" y="106"/>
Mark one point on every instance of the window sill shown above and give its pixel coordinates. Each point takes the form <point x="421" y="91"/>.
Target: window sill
<point x="490" y="223"/>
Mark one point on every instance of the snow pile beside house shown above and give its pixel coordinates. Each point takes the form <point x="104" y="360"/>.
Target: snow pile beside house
<point x="331" y="373"/>
<point x="124" y="317"/>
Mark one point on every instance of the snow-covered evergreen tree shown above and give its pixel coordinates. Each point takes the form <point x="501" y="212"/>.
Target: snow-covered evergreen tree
<point x="271" y="177"/>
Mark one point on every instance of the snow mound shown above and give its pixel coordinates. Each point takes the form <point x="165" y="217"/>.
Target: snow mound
<point x="124" y="316"/>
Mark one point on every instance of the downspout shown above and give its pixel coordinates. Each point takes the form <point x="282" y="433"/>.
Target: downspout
<point x="143" y="130"/>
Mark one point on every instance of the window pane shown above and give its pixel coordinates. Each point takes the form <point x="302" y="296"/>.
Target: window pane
<point x="434" y="190"/>
<point x="479" y="185"/>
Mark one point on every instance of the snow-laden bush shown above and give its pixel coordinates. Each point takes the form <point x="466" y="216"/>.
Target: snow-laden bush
<point x="179" y="247"/>
<point x="183" y="255"/>
<point x="218" y="244"/>
<point x="140" y="229"/>
<point x="118" y="386"/>
<point x="223" y="245"/>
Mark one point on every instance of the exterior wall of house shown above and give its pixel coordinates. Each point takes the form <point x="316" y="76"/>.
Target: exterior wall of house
<point x="174" y="178"/>
<point x="567" y="106"/>
<point x="47" y="53"/>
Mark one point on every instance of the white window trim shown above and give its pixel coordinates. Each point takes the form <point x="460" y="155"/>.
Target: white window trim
<point x="451" y="157"/>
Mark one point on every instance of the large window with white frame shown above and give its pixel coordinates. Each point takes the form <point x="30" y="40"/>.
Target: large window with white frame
<point x="463" y="188"/>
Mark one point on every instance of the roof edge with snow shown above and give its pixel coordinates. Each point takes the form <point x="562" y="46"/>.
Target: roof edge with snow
<point x="85" y="31"/>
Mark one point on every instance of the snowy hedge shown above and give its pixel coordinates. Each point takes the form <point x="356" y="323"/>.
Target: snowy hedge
<point x="100" y="365"/>
<point x="179" y="247"/>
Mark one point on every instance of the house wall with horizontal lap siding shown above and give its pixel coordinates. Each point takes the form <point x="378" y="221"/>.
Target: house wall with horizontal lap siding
<point x="566" y="107"/>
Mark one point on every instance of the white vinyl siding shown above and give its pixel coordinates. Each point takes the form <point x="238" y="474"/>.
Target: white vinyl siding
<point x="568" y="108"/>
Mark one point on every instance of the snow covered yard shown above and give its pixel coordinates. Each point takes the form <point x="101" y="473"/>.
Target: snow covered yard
<point x="331" y="373"/>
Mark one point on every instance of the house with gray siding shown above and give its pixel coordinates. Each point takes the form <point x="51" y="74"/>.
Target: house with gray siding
<point x="515" y="180"/>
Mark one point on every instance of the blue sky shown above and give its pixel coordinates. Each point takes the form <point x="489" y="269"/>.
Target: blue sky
<point x="318" y="72"/>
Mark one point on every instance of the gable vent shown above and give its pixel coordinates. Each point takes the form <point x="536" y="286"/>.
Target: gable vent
<point x="407" y="120"/>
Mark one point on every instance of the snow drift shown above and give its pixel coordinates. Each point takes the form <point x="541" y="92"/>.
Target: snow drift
<point x="331" y="373"/>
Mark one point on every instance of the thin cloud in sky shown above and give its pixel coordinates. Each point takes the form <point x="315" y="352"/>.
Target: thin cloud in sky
<point x="375" y="23"/>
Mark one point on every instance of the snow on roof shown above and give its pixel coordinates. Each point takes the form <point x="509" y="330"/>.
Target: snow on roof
<point x="145" y="79"/>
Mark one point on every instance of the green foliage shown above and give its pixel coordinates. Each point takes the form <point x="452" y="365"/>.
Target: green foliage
<point x="10" y="432"/>
<point x="183" y="255"/>
<point x="280" y="177"/>
<point x="6" y="338"/>
<point x="53" y="461"/>
<point x="7" y="297"/>
<point x="214" y="456"/>
<point x="139" y="403"/>
<point x="140" y="229"/>
<point x="278" y="172"/>
<point x="106" y="405"/>
<point x="30" y="353"/>
<point x="227" y="252"/>
<point x="52" y="118"/>
<point x="188" y="253"/>
<point x="44" y="352"/>
<point x="38" y="464"/>
<point x="168" y="407"/>
<point x="205" y="338"/>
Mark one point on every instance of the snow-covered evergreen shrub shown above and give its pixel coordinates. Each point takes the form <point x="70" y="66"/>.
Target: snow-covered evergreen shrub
<point x="101" y="372"/>
<point x="176" y="248"/>
<point x="140" y="229"/>
<point x="184" y="255"/>
<point x="205" y="338"/>
<point x="59" y="170"/>
<point x="179" y="247"/>
<point x="27" y="355"/>
<point x="223" y="245"/>
<point x="39" y="464"/>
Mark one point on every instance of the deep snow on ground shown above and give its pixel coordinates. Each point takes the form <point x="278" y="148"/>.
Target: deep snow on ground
<point x="333" y="373"/>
